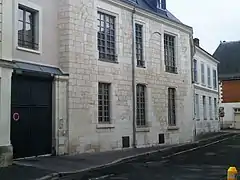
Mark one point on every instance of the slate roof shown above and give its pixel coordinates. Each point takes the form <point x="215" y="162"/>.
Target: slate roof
<point x="150" y="6"/>
<point x="228" y="54"/>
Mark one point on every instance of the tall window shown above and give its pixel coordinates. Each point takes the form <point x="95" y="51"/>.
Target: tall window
<point x="169" y="53"/>
<point x="171" y="107"/>
<point x="197" y="106"/>
<point x="214" y="79"/>
<point x="215" y="108"/>
<point x="141" y="105"/>
<point x="202" y="74"/>
<point x="103" y="103"/>
<point x="27" y="28"/>
<point x="195" y="76"/>
<point x="204" y="107"/>
<point x="210" y="107"/>
<point x="139" y="44"/>
<point x="209" y="76"/>
<point x="106" y="37"/>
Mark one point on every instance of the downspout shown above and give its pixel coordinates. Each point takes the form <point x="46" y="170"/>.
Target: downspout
<point x="192" y="79"/>
<point x="133" y="83"/>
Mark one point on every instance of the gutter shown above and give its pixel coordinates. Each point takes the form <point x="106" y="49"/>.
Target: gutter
<point x="133" y="83"/>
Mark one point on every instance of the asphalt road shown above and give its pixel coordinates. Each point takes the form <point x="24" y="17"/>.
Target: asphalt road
<point x="207" y="163"/>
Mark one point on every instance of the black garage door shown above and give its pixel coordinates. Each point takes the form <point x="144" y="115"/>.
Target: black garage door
<point x="31" y="116"/>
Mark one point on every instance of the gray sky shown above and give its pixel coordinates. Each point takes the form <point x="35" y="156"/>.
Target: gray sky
<point x="212" y="20"/>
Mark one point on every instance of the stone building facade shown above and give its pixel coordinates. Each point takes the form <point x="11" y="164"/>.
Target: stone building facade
<point x="206" y="96"/>
<point x="94" y="82"/>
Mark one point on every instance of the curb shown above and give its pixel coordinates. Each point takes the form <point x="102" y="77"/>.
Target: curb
<point x="164" y="154"/>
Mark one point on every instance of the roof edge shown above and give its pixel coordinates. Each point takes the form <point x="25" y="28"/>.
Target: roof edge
<point x="207" y="53"/>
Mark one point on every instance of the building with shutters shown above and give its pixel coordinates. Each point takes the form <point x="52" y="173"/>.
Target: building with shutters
<point x="93" y="75"/>
<point x="229" y="82"/>
<point x="206" y="94"/>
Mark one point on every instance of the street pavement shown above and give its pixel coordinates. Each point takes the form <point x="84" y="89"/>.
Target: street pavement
<point x="30" y="169"/>
<point x="206" y="163"/>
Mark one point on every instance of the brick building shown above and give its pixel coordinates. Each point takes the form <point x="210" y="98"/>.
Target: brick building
<point x="229" y="77"/>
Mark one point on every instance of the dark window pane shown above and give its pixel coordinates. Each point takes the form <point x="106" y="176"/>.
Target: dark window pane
<point x="141" y="112"/>
<point x="103" y="103"/>
<point x="169" y="53"/>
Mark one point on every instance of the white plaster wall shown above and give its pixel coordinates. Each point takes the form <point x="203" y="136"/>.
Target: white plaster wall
<point x="229" y="113"/>
<point x="79" y="57"/>
<point x="5" y="101"/>
<point x="208" y="125"/>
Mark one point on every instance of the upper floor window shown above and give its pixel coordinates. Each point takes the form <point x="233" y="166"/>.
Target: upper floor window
<point x="214" y="79"/>
<point x="202" y="74"/>
<point x="195" y="76"/>
<point x="161" y="4"/>
<point x="106" y="37"/>
<point x="169" y="53"/>
<point x="141" y="105"/>
<point x="28" y="28"/>
<point x="209" y="76"/>
<point x="139" y="44"/>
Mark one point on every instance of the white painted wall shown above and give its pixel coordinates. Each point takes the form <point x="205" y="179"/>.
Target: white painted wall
<point x="80" y="59"/>
<point x="209" y="124"/>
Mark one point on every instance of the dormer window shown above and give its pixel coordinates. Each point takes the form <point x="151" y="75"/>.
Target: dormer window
<point x="161" y="4"/>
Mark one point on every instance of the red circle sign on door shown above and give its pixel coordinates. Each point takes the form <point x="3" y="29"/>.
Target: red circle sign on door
<point x="16" y="116"/>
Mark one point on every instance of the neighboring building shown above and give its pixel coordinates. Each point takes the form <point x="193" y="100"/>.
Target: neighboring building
<point x="128" y="81"/>
<point x="205" y="78"/>
<point x="228" y="54"/>
<point x="33" y="88"/>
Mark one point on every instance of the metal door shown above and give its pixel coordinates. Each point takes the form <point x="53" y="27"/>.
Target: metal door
<point x="31" y="116"/>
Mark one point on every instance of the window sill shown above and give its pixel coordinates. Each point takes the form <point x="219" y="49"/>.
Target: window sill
<point x="108" y="61"/>
<point x="173" y="128"/>
<point x="205" y="118"/>
<point x="141" y="66"/>
<point x="105" y="126"/>
<point x="143" y="129"/>
<point x="28" y="50"/>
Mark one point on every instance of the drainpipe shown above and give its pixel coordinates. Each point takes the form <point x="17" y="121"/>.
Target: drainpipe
<point x="192" y="79"/>
<point x="133" y="82"/>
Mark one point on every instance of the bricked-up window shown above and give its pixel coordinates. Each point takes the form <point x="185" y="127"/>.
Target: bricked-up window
<point x="209" y="76"/>
<point x="204" y="107"/>
<point x="27" y="28"/>
<point x="195" y="76"/>
<point x="171" y="106"/>
<point x="215" y="108"/>
<point x="103" y="103"/>
<point x="139" y="44"/>
<point x="214" y="79"/>
<point x="169" y="53"/>
<point x="202" y="74"/>
<point x="210" y="107"/>
<point x="106" y="37"/>
<point x="141" y="105"/>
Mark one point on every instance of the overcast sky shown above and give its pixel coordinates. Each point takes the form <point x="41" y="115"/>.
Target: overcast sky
<point x="212" y="20"/>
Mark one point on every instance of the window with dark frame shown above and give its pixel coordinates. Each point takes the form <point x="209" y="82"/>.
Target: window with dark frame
<point x="103" y="103"/>
<point x="214" y="79"/>
<point x="210" y="107"/>
<point x="141" y="105"/>
<point x="195" y="76"/>
<point x="139" y="44"/>
<point x="204" y="107"/>
<point x="202" y="74"/>
<point x="106" y="37"/>
<point x="27" y="34"/>
<point x="215" y="108"/>
<point x="171" y="106"/>
<point x="169" y="53"/>
<point x="209" y="76"/>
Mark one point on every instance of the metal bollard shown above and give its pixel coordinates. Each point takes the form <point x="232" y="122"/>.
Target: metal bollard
<point x="232" y="173"/>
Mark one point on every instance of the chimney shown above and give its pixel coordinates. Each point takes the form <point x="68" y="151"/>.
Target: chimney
<point x="196" y="41"/>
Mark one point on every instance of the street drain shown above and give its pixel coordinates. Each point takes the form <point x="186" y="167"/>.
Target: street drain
<point x="210" y="154"/>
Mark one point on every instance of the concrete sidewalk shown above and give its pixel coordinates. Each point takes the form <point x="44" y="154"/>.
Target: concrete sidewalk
<point x="46" y="167"/>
